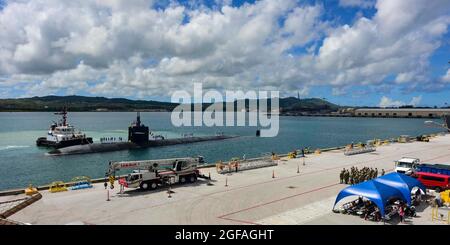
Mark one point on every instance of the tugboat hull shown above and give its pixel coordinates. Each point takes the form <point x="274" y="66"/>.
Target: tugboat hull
<point x="42" y="141"/>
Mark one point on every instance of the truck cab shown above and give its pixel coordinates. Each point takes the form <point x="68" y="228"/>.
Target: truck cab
<point x="406" y="165"/>
<point x="134" y="179"/>
<point x="149" y="174"/>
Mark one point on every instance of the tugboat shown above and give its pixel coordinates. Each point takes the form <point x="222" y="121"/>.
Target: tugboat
<point x="63" y="135"/>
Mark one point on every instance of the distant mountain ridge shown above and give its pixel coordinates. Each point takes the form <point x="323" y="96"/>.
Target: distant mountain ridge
<point x="85" y="103"/>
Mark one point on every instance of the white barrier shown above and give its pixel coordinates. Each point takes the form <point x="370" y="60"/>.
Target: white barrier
<point x="355" y="151"/>
<point x="245" y="165"/>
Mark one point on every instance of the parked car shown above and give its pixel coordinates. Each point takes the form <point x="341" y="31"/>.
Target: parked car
<point x="406" y="165"/>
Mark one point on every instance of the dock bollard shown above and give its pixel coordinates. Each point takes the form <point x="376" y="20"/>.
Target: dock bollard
<point x="226" y="181"/>
<point x="107" y="195"/>
<point x="169" y="192"/>
<point x="303" y="161"/>
<point x="298" y="168"/>
<point x="273" y="174"/>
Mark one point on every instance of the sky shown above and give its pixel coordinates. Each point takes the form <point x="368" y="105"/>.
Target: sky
<point x="350" y="52"/>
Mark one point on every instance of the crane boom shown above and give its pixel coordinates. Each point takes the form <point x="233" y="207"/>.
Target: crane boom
<point x="151" y="165"/>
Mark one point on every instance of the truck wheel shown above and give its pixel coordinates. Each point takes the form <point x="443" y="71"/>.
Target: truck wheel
<point x="144" y="186"/>
<point x="153" y="185"/>
<point x="192" y="178"/>
<point x="183" y="179"/>
<point x="437" y="189"/>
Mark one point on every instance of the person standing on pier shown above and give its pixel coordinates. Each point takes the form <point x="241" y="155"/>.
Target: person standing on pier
<point x="341" y="176"/>
<point x="346" y="176"/>
<point x="382" y="172"/>
<point x="401" y="213"/>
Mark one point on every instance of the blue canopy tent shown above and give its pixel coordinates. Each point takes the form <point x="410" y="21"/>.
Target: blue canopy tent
<point x="402" y="182"/>
<point x="377" y="192"/>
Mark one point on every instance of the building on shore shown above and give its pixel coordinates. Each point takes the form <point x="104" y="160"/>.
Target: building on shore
<point x="402" y="112"/>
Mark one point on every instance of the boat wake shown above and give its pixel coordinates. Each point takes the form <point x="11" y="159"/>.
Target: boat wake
<point x="117" y="131"/>
<point x="12" y="147"/>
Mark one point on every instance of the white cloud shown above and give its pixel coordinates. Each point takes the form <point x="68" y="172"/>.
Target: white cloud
<point x="446" y="77"/>
<point x="405" y="77"/>
<point x="388" y="102"/>
<point x="131" y="49"/>
<point x="415" y="101"/>
<point x="399" y="39"/>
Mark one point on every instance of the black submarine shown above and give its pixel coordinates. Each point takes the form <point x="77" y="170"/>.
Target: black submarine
<point x="138" y="138"/>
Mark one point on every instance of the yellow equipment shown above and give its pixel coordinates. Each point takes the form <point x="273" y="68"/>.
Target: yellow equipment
<point x="445" y="196"/>
<point x="292" y="155"/>
<point x="317" y="152"/>
<point x="111" y="181"/>
<point x="31" y="190"/>
<point x="57" y="186"/>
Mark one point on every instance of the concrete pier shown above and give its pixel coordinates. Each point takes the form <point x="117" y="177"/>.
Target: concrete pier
<point x="272" y="195"/>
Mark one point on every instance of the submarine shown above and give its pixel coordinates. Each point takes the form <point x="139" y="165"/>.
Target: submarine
<point x="138" y="138"/>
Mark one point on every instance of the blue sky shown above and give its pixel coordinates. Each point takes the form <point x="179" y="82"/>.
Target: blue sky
<point x="351" y="52"/>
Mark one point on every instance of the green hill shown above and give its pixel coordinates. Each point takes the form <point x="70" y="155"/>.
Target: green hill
<point x="84" y="103"/>
<point x="292" y="104"/>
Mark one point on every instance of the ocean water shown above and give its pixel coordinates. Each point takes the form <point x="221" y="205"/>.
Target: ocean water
<point x="22" y="162"/>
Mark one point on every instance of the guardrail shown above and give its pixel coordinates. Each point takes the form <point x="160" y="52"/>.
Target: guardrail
<point x="355" y="151"/>
<point x="245" y="165"/>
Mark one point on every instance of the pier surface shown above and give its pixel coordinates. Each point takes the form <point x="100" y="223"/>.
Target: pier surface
<point x="251" y="197"/>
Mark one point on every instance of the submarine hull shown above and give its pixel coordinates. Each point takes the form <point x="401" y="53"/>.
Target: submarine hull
<point x="99" y="147"/>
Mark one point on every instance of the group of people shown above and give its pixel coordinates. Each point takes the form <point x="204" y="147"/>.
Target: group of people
<point x="355" y="175"/>
<point x="110" y="139"/>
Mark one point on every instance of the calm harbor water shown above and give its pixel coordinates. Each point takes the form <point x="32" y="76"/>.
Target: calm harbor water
<point x="22" y="162"/>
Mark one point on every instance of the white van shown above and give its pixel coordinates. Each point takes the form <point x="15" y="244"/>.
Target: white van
<point x="406" y="165"/>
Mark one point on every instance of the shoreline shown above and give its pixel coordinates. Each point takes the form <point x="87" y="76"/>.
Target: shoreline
<point x="287" y="114"/>
<point x="18" y="191"/>
<point x="288" y="193"/>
